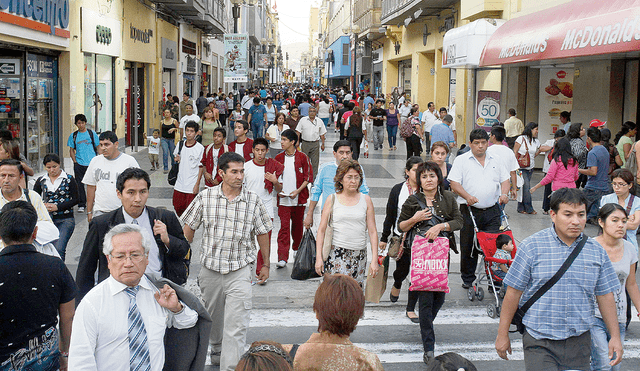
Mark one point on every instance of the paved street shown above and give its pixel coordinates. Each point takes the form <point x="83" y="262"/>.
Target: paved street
<point x="282" y="309"/>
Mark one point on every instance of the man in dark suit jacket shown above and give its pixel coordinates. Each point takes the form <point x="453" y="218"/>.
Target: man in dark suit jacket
<point x="169" y="258"/>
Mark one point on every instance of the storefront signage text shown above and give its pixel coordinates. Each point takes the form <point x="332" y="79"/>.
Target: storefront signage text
<point x="534" y="45"/>
<point x="103" y="35"/>
<point x="50" y="12"/>
<point x="579" y="38"/>
<point x="143" y="36"/>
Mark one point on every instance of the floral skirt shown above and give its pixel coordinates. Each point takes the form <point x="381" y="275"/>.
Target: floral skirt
<point x="352" y="263"/>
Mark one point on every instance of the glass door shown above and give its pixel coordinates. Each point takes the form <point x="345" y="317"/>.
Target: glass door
<point x="11" y="95"/>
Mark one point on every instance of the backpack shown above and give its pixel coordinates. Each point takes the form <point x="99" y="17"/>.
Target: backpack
<point x="632" y="163"/>
<point x="93" y="141"/>
<point x="406" y="128"/>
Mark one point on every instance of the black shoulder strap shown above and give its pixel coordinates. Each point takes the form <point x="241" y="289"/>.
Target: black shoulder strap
<point x="420" y="203"/>
<point x="293" y="351"/>
<point x="556" y="277"/>
<point x="93" y="142"/>
<point x="26" y="195"/>
<point x="630" y="204"/>
<point x="180" y="145"/>
<point x="75" y="138"/>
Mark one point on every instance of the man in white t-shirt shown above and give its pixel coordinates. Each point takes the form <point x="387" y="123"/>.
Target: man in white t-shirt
<point x="263" y="176"/>
<point x="190" y="116"/>
<point x="505" y="155"/>
<point x="102" y="174"/>
<point x="429" y="118"/>
<point x="189" y="156"/>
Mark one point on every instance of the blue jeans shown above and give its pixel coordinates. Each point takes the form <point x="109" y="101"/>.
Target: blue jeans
<point x="526" y="205"/>
<point x="392" y="133"/>
<point x="258" y="129"/>
<point x="65" y="227"/>
<point x="600" y="345"/>
<point x="593" y="201"/>
<point x="168" y="145"/>
<point x="325" y="120"/>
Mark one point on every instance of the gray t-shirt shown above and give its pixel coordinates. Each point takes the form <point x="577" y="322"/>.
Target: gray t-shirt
<point x="622" y="266"/>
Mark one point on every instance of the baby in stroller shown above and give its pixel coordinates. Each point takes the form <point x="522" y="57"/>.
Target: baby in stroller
<point x="504" y="247"/>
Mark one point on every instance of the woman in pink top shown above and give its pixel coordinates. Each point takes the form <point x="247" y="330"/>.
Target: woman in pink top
<point x="563" y="171"/>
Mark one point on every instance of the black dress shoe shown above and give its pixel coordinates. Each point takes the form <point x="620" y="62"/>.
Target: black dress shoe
<point x="466" y="285"/>
<point x="393" y="298"/>
<point x="413" y="319"/>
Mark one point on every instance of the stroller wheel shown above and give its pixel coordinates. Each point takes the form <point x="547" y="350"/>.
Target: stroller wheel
<point x="471" y="294"/>
<point x="480" y="293"/>
<point x="492" y="311"/>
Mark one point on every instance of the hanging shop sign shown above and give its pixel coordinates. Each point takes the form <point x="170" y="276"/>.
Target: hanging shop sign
<point x="9" y="67"/>
<point x="263" y="62"/>
<point x="138" y="38"/>
<point x="488" y="109"/>
<point x="100" y="34"/>
<point x="556" y="95"/>
<point x="48" y="16"/>
<point x="235" y="57"/>
<point x="169" y="54"/>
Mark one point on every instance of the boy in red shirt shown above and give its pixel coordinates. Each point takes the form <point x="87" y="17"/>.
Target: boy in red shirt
<point x="297" y="174"/>
<point x="210" y="158"/>
<point x="242" y="145"/>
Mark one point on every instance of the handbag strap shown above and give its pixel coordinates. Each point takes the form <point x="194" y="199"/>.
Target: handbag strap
<point x="630" y="204"/>
<point x="556" y="277"/>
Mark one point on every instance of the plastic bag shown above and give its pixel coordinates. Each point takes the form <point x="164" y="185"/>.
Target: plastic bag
<point x="304" y="266"/>
<point x="430" y="264"/>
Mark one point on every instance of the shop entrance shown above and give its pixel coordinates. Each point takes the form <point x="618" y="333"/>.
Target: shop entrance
<point x="404" y="77"/>
<point x="135" y="125"/>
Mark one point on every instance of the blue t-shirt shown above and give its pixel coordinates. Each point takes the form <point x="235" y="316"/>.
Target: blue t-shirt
<point x="304" y="109"/>
<point x="368" y="100"/>
<point x="83" y="147"/>
<point x="441" y="132"/>
<point x="263" y="93"/>
<point x="257" y="113"/>
<point x="599" y="157"/>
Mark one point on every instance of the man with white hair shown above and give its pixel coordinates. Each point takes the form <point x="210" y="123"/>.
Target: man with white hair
<point x="120" y="324"/>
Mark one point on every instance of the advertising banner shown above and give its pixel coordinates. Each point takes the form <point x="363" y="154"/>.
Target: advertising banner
<point x="235" y="57"/>
<point x="488" y="109"/>
<point x="556" y="95"/>
<point x="263" y="62"/>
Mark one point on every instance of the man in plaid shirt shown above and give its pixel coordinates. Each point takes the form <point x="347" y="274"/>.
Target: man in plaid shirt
<point x="233" y="218"/>
<point x="557" y="325"/>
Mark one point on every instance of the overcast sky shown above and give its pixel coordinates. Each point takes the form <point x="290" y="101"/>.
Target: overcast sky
<point x="294" y="20"/>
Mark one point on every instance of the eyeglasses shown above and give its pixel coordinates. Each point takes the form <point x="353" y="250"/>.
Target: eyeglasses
<point x="135" y="257"/>
<point x="619" y="185"/>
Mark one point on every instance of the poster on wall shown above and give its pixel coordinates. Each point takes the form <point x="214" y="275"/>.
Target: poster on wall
<point x="488" y="109"/>
<point x="263" y="62"/>
<point x="235" y="57"/>
<point x="556" y="95"/>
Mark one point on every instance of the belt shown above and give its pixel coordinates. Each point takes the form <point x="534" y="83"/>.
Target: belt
<point x="309" y="141"/>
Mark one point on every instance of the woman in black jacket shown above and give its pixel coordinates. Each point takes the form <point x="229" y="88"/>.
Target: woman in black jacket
<point x="59" y="192"/>
<point x="399" y="194"/>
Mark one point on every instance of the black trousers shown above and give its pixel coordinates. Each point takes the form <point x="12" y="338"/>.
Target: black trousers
<point x="546" y="198"/>
<point x="414" y="148"/>
<point x="355" y="147"/>
<point x="573" y="353"/>
<point x="487" y="220"/>
<point x="429" y="303"/>
<point x="79" y="171"/>
<point x="402" y="271"/>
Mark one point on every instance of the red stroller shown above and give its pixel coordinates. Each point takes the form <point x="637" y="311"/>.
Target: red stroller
<point x="485" y="242"/>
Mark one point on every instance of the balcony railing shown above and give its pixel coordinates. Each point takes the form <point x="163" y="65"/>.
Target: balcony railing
<point x="391" y="6"/>
<point x="371" y="19"/>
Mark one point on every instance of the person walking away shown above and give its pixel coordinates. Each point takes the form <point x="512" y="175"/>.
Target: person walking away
<point x="324" y="110"/>
<point x="393" y="117"/>
<point x="398" y="195"/>
<point x="354" y="132"/>
<point x="483" y="199"/>
<point x="527" y="145"/>
<point x="242" y="145"/>
<point x="352" y="216"/>
<point x="442" y="215"/>
<point x="59" y="192"/>
<point x="304" y="106"/>
<point x="346" y="107"/>
<point x="615" y="160"/>
<point x="102" y="174"/>
<point x="624" y="140"/>
<point x="597" y="172"/>
<point x="411" y="131"/>
<point x="296" y="176"/>
<point x="201" y="103"/>
<point x="37" y="293"/>
<point x="547" y="148"/>
<point x="83" y="147"/>
<point x="513" y="127"/>
<point x="312" y="137"/>
<point x="563" y="171"/>
<point x="274" y="135"/>
<point x="379" y="116"/>
<point x="505" y="155"/>
<point x="263" y="176"/>
<point x="579" y="150"/>
<point x="225" y="277"/>
<point x="557" y="325"/>
<point x="257" y="118"/>
<point x="612" y="219"/>
<point x="565" y="119"/>
<point x="189" y="158"/>
<point x="441" y="132"/>
<point x="247" y="103"/>
<point x="222" y="107"/>
<point x="169" y="126"/>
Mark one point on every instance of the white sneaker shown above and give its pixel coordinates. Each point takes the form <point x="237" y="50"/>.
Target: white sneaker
<point x="81" y="209"/>
<point x="295" y="252"/>
<point x="281" y="264"/>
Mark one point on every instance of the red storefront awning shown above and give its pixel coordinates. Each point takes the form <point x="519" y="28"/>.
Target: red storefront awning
<point x="575" y="29"/>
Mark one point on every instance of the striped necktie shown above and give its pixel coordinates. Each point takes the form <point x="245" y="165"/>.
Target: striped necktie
<point x="138" y="348"/>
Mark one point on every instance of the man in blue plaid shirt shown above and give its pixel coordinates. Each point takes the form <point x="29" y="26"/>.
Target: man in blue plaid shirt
<point x="557" y="325"/>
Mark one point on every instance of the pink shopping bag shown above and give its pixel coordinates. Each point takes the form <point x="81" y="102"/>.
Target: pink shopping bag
<point x="430" y="264"/>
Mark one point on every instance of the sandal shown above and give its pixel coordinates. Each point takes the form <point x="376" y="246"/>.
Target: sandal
<point x="415" y="319"/>
<point x="533" y="213"/>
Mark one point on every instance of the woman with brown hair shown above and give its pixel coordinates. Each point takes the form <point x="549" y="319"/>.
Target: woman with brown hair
<point x="208" y="123"/>
<point x="339" y="305"/>
<point x="439" y="152"/>
<point x="274" y="134"/>
<point x="10" y="149"/>
<point x="265" y="356"/>
<point x="354" y="131"/>
<point x="352" y="217"/>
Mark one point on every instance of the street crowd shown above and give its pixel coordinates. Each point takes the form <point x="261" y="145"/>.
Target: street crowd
<point x="258" y="151"/>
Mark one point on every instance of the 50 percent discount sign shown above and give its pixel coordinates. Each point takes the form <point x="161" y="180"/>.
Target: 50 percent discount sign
<point x="488" y="110"/>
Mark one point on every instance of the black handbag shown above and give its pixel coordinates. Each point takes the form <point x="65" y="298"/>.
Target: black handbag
<point x="521" y="311"/>
<point x="173" y="173"/>
<point x="304" y="266"/>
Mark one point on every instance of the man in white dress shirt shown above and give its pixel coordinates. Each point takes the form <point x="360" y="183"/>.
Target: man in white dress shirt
<point x="312" y="132"/>
<point x="120" y="323"/>
<point x="429" y="118"/>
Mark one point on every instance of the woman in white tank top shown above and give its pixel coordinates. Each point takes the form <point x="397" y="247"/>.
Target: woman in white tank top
<point x="352" y="218"/>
